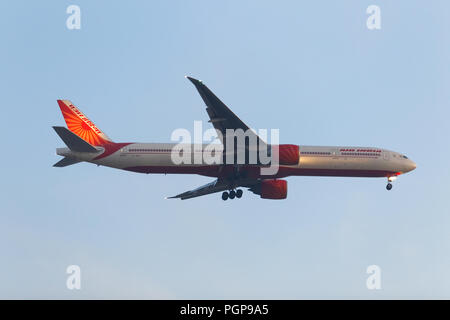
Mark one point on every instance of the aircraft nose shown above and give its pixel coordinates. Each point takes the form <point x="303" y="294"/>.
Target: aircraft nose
<point x="411" y="165"/>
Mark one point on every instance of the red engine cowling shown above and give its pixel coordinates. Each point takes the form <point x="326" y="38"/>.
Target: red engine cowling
<point x="273" y="189"/>
<point x="289" y="154"/>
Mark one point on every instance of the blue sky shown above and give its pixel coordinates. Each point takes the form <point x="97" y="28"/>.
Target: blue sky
<point x="310" y="68"/>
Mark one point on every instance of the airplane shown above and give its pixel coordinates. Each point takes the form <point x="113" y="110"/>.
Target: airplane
<point x="87" y="143"/>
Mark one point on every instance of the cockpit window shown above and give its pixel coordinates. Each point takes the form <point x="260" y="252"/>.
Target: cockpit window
<point x="404" y="157"/>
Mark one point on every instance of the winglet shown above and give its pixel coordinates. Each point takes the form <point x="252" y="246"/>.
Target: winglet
<point x="194" y="81"/>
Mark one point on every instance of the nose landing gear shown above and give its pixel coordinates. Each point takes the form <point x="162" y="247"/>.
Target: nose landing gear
<point x="232" y="194"/>
<point x="389" y="185"/>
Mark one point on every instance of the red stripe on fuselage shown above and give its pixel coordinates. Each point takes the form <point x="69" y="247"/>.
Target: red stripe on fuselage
<point x="110" y="148"/>
<point x="255" y="172"/>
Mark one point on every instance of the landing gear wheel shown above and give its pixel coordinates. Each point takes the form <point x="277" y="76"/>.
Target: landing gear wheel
<point x="389" y="186"/>
<point x="224" y="196"/>
<point x="239" y="193"/>
<point x="232" y="194"/>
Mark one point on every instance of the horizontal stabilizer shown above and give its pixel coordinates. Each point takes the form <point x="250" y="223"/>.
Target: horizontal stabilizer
<point x="74" y="142"/>
<point x="66" y="162"/>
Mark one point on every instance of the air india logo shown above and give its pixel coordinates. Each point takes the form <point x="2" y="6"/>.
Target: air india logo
<point x="79" y="124"/>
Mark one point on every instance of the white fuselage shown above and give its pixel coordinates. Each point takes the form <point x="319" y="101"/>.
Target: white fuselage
<point x="313" y="161"/>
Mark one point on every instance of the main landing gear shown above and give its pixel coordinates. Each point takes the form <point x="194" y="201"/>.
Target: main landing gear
<point x="232" y="194"/>
<point x="389" y="185"/>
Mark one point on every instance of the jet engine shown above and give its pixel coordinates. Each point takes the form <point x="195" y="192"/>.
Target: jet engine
<point x="271" y="189"/>
<point x="289" y="154"/>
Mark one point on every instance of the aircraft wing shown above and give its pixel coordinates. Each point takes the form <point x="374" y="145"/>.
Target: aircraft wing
<point x="220" y="115"/>
<point x="212" y="187"/>
<point x="217" y="185"/>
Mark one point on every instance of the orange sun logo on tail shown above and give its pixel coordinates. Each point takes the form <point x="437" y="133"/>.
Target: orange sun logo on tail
<point x="79" y="124"/>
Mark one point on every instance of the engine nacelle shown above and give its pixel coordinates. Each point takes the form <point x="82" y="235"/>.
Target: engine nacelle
<point x="289" y="154"/>
<point x="273" y="189"/>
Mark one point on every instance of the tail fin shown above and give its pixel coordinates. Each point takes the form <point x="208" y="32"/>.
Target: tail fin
<point x="74" y="142"/>
<point x="80" y="125"/>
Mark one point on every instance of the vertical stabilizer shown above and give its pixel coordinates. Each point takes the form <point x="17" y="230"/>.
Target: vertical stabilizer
<point x="80" y="125"/>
